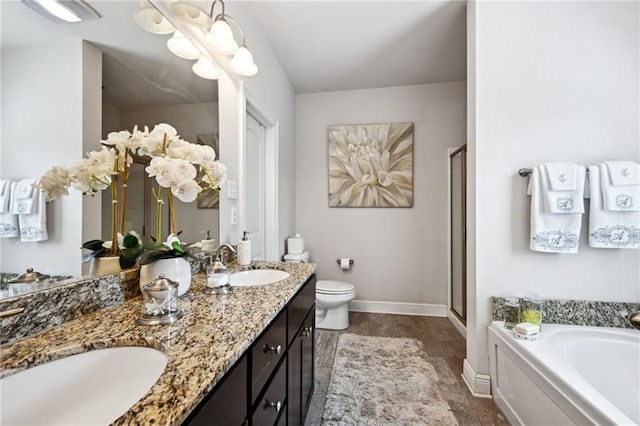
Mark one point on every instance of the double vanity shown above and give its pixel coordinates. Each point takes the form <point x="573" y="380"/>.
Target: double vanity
<point x="241" y="358"/>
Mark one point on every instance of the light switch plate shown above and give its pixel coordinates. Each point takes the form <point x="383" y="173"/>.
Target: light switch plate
<point x="234" y="215"/>
<point x="232" y="190"/>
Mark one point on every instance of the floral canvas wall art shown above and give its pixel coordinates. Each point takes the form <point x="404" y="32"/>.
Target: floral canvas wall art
<point x="371" y="165"/>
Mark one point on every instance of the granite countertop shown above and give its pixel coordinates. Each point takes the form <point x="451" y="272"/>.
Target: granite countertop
<point x="201" y="346"/>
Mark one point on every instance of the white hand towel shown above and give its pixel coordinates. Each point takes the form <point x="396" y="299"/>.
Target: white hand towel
<point x="562" y="176"/>
<point x="621" y="198"/>
<point x="551" y="232"/>
<point x="564" y="201"/>
<point x="8" y="220"/>
<point x="25" y="199"/>
<point x="5" y="195"/>
<point x="623" y="172"/>
<point x="33" y="227"/>
<point x="610" y="229"/>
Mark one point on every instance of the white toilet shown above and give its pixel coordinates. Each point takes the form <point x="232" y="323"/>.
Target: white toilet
<point x="332" y="304"/>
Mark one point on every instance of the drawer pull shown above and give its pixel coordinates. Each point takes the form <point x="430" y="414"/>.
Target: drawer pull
<point x="306" y="332"/>
<point x="276" y="349"/>
<point x="276" y="405"/>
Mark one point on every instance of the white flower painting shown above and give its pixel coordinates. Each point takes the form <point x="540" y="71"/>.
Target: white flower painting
<point x="371" y="165"/>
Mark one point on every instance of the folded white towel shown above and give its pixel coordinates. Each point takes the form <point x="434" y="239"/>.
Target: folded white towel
<point x="623" y="172"/>
<point x="620" y="198"/>
<point x="550" y="232"/>
<point x="562" y="176"/>
<point x="5" y="195"/>
<point x="33" y="227"/>
<point x="8" y="220"/>
<point x="564" y="201"/>
<point x="610" y="229"/>
<point x="25" y="199"/>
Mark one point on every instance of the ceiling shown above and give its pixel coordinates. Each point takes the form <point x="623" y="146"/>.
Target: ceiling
<point x="322" y="46"/>
<point x="138" y="69"/>
<point x="340" y="45"/>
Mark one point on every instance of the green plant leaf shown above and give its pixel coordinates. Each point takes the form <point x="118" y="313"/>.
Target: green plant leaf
<point x="130" y="241"/>
<point x="93" y="245"/>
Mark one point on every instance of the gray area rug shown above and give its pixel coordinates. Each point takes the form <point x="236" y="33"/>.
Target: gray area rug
<point x="383" y="381"/>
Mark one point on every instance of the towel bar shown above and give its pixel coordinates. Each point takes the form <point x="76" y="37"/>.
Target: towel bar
<point x="526" y="172"/>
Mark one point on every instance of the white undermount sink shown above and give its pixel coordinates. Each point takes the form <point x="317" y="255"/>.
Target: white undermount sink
<point x="257" y="277"/>
<point x="91" y="388"/>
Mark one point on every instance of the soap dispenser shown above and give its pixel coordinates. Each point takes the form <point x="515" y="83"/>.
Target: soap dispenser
<point x="244" y="251"/>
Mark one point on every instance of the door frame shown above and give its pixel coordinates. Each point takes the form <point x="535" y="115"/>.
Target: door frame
<point x="272" y="134"/>
<point x="455" y="319"/>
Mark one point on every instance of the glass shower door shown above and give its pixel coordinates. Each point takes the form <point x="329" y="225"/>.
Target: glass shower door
<point x="458" y="299"/>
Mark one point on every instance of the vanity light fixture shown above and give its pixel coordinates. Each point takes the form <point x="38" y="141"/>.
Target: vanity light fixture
<point x="218" y="35"/>
<point x="204" y="68"/>
<point x="220" y="38"/>
<point x="151" y="20"/>
<point x="64" y="11"/>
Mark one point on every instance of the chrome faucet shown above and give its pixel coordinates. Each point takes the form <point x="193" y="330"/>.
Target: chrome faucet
<point x="217" y="255"/>
<point x="634" y="319"/>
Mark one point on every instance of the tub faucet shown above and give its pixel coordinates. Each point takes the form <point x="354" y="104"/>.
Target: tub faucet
<point x="218" y="254"/>
<point x="634" y="320"/>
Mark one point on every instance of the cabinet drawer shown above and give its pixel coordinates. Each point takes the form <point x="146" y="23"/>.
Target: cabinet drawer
<point x="266" y="353"/>
<point x="273" y="402"/>
<point x="300" y="306"/>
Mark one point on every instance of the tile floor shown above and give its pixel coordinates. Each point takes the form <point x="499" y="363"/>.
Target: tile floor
<point x="443" y="346"/>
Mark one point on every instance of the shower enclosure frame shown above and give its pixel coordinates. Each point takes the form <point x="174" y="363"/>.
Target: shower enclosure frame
<point x="462" y="224"/>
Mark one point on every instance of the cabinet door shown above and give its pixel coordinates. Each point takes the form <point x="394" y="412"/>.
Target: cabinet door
<point x="307" y="342"/>
<point x="226" y="405"/>
<point x="294" y="385"/>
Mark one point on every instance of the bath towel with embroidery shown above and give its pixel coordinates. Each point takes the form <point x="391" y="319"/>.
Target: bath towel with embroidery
<point x="551" y="232"/>
<point x="609" y="229"/>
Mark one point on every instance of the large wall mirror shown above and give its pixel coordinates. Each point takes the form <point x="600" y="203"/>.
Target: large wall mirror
<point x="64" y="88"/>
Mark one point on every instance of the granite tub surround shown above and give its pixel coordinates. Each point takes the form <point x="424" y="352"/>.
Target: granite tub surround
<point x="53" y="306"/>
<point x="201" y="347"/>
<point x="577" y="312"/>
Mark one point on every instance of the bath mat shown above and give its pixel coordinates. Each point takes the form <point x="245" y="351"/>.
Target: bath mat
<point x="383" y="381"/>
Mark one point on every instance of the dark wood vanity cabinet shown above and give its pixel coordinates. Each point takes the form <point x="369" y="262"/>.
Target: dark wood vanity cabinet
<point x="227" y="403"/>
<point x="301" y="371"/>
<point x="272" y="383"/>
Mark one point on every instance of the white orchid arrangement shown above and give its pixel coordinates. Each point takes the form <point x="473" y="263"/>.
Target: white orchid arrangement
<point x="183" y="167"/>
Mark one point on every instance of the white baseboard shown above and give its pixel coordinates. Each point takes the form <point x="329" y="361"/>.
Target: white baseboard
<point x="457" y="324"/>
<point x="398" y="308"/>
<point x="479" y="384"/>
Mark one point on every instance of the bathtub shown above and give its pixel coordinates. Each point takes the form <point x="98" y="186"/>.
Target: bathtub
<point x="570" y="375"/>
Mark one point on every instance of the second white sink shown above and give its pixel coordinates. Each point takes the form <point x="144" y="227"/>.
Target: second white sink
<point x="257" y="277"/>
<point x="91" y="388"/>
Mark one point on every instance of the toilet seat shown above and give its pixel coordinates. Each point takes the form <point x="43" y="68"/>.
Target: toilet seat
<point x="333" y="287"/>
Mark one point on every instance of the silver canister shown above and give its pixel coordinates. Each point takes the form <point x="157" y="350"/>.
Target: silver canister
<point x="160" y="302"/>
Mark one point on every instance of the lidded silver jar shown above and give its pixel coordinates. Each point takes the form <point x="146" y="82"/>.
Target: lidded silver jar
<point x="160" y="302"/>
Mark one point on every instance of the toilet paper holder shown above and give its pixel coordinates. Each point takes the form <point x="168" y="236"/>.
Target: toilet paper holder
<point x="350" y="261"/>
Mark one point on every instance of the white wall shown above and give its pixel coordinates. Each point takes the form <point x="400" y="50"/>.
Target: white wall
<point x="190" y="120"/>
<point x="400" y="254"/>
<point x="548" y="81"/>
<point x="43" y="124"/>
<point x="272" y="92"/>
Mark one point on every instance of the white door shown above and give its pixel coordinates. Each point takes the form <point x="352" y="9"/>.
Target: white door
<point x="255" y="181"/>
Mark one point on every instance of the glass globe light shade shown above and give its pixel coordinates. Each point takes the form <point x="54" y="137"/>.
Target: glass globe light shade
<point x="149" y="19"/>
<point x="242" y="63"/>
<point x="190" y="14"/>
<point x="220" y="37"/>
<point x="182" y="47"/>
<point x="204" y="68"/>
